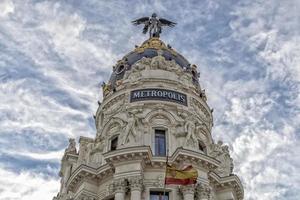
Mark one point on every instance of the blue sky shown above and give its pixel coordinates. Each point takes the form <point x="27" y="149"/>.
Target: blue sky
<point x="54" y="55"/>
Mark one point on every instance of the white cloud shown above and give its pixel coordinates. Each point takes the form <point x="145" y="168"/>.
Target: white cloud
<point x="6" y="7"/>
<point x="26" y="186"/>
<point x="53" y="156"/>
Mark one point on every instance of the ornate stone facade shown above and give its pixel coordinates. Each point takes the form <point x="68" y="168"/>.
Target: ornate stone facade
<point x="127" y="158"/>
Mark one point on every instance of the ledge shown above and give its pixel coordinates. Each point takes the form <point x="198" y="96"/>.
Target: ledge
<point x="84" y="171"/>
<point x="226" y="182"/>
<point x="195" y="157"/>
<point x="129" y="153"/>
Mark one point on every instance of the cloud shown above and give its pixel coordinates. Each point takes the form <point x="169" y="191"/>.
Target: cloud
<point x="6" y="7"/>
<point x="26" y="186"/>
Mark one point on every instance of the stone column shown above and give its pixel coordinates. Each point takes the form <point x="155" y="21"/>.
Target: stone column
<point x="188" y="192"/>
<point x="120" y="188"/>
<point x="203" y="192"/>
<point x="136" y="186"/>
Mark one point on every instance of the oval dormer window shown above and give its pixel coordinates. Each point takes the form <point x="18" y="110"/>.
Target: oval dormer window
<point x="120" y="69"/>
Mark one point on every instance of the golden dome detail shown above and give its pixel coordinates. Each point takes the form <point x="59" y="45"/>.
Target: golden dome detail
<point x="154" y="43"/>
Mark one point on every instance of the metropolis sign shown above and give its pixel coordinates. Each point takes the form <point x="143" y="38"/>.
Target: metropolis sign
<point x="158" y="94"/>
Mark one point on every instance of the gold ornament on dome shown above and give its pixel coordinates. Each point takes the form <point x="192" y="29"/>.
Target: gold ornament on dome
<point x="154" y="43"/>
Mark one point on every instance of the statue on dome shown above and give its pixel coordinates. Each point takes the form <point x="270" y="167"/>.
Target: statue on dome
<point x="153" y="24"/>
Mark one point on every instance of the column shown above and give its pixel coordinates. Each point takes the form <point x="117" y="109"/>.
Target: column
<point x="120" y="195"/>
<point x="188" y="192"/>
<point x="136" y="186"/>
<point x="203" y="192"/>
<point x="119" y="188"/>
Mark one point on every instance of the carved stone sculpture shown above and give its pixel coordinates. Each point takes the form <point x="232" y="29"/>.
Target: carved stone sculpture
<point x="130" y="129"/>
<point x="153" y="24"/>
<point x="190" y="139"/>
<point x="221" y="153"/>
<point x="97" y="150"/>
<point x="72" y="146"/>
<point x="84" y="153"/>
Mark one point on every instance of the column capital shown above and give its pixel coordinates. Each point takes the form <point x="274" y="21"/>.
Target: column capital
<point x="203" y="191"/>
<point x="119" y="185"/>
<point x="136" y="183"/>
<point x="187" y="189"/>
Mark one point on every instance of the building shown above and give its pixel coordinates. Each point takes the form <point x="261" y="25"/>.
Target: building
<point x="153" y="106"/>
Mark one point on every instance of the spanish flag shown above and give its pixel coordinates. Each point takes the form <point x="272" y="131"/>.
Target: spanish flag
<point x="187" y="175"/>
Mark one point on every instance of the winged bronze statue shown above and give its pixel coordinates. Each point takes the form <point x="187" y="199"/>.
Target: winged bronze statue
<point x="153" y="24"/>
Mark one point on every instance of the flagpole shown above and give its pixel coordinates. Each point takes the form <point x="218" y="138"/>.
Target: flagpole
<point x="167" y="159"/>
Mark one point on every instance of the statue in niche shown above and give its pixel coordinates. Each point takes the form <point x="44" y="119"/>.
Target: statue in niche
<point x="221" y="153"/>
<point x="72" y="146"/>
<point x="130" y="129"/>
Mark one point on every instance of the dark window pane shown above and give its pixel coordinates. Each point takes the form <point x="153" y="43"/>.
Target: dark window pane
<point x="114" y="144"/>
<point x="160" y="142"/>
<point x="201" y="146"/>
<point x="159" y="195"/>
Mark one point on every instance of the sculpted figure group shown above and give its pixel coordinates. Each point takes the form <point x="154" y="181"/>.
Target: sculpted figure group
<point x="221" y="153"/>
<point x="189" y="132"/>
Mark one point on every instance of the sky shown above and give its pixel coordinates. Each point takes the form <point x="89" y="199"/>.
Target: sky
<point x="54" y="55"/>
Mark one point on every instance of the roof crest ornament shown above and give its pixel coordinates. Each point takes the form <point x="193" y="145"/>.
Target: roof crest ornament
<point x="153" y="24"/>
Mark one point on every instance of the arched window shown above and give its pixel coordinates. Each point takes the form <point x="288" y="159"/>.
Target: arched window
<point x="114" y="143"/>
<point x="201" y="146"/>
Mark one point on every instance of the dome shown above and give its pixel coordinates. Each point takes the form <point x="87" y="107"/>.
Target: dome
<point x="149" y="49"/>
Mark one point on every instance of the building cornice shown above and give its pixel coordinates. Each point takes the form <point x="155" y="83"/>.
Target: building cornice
<point x="227" y="182"/>
<point x="200" y="159"/>
<point x="129" y="153"/>
<point x="87" y="172"/>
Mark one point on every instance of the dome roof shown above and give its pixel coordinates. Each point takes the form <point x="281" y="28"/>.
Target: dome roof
<point x="149" y="49"/>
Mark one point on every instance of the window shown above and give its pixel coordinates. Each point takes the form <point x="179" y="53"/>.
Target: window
<point x="114" y="143"/>
<point x="160" y="142"/>
<point x="159" y="195"/>
<point x="120" y="69"/>
<point x="201" y="146"/>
